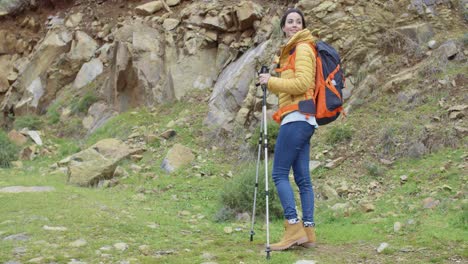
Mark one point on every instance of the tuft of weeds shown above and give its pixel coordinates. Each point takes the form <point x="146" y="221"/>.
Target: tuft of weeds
<point x="72" y="128"/>
<point x="339" y="134"/>
<point x="388" y="140"/>
<point x="238" y="194"/>
<point x="8" y="150"/>
<point x="82" y="105"/>
<point x="53" y="115"/>
<point x="224" y="214"/>
<point x="374" y="169"/>
<point x="31" y="122"/>
<point x="272" y="135"/>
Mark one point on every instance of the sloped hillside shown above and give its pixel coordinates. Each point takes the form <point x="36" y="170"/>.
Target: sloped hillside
<point x="125" y="122"/>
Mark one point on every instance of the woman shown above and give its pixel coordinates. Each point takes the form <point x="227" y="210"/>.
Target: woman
<point x="293" y="142"/>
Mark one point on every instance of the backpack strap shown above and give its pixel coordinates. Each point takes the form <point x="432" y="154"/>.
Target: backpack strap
<point x="329" y="83"/>
<point x="291" y="64"/>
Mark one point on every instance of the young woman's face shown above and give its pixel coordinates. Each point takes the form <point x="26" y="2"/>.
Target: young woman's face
<point x="292" y="25"/>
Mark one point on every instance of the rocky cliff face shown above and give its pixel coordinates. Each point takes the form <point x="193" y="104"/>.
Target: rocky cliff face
<point x="143" y="53"/>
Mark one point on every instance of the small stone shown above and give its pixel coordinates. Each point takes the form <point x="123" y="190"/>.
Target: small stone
<point x="334" y="163"/>
<point x="407" y="249"/>
<point x="184" y="213"/>
<point x="78" y="243"/>
<point x="382" y="247"/>
<point x="208" y="256"/>
<point x="168" y="134"/>
<point x="403" y="179"/>
<point x="140" y="197"/>
<point x="446" y="188"/>
<point x="305" y="262"/>
<point x="21" y="189"/>
<point x="314" y="164"/>
<point x="367" y="207"/>
<point x="340" y="206"/>
<point x="74" y="261"/>
<point x="329" y="192"/>
<point x="36" y="260"/>
<point x="386" y="161"/>
<point x="17" y="237"/>
<point x="19" y="251"/>
<point x="136" y="158"/>
<point x="106" y="248"/>
<point x="397" y="227"/>
<point x="121" y="246"/>
<point x="136" y="168"/>
<point x="171" y="124"/>
<point x="145" y="250"/>
<point x="228" y="230"/>
<point x="153" y="225"/>
<point x="430" y="203"/>
<point x="243" y="217"/>
<point x="431" y="44"/>
<point x="54" y="228"/>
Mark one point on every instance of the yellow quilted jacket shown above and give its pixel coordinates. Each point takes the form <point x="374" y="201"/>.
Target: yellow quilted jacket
<point x="291" y="86"/>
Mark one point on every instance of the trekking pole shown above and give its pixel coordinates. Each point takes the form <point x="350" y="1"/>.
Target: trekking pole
<point x="259" y="151"/>
<point x="265" y="140"/>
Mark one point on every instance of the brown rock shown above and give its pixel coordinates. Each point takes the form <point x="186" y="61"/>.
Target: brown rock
<point x="247" y="13"/>
<point x="17" y="138"/>
<point x="430" y="203"/>
<point x="149" y="8"/>
<point x="367" y="207"/>
<point x="168" y="134"/>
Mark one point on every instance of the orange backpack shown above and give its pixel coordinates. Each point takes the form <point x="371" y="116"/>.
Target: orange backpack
<point x="326" y="103"/>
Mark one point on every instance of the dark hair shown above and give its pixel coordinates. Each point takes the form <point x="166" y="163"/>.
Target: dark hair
<point x="289" y="11"/>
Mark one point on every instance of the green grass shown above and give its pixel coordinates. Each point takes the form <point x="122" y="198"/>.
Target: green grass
<point x="183" y="206"/>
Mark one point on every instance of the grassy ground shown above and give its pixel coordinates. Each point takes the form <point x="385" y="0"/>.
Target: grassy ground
<point x="171" y="218"/>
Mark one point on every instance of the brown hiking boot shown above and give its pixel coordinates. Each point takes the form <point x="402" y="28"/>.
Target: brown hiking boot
<point x="294" y="234"/>
<point x="310" y="231"/>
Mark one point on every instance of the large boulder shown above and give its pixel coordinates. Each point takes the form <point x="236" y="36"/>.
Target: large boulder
<point x="197" y="71"/>
<point x="96" y="163"/>
<point x="19" y="95"/>
<point x="98" y="114"/>
<point x="5" y="69"/>
<point x="82" y="48"/>
<point x="8" y="42"/>
<point x="88" y="167"/>
<point x="247" y="12"/>
<point x="232" y="87"/>
<point x="178" y="156"/>
<point x="9" y="7"/>
<point x="88" y="72"/>
<point x="420" y="33"/>
<point x="137" y="73"/>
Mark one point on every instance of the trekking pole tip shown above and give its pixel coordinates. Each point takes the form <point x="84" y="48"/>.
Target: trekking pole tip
<point x="268" y="250"/>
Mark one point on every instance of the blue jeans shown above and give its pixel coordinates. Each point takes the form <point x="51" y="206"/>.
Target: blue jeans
<point x="292" y="150"/>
